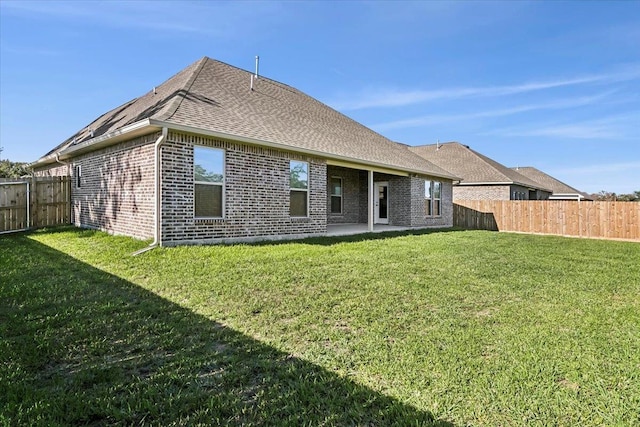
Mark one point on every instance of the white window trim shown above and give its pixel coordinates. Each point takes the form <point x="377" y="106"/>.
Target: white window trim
<point x="439" y="199"/>
<point x="432" y="199"/>
<point x="333" y="195"/>
<point x="221" y="184"/>
<point x="77" y="171"/>
<point x="299" y="189"/>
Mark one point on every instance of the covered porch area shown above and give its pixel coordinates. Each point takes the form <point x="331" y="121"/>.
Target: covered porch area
<point x="361" y="200"/>
<point x="334" y="230"/>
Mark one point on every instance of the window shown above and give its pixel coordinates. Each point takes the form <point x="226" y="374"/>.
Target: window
<point x="208" y="165"/>
<point x="299" y="188"/>
<point x="335" y="185"/>
<point x="77" y="172"/>
<point x="432" y="197"/>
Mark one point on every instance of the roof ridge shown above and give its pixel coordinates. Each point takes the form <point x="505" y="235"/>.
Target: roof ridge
<point x="299" y="92"/>
<point x="439" y="143"/>
<point x="489" y="161"/>
<point x="492" y="163"/>
<point x="550" y="177"/>
<point x="177" y="100"/>
<point x="260" y="77"/>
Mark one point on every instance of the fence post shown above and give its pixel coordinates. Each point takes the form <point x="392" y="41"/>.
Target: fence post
<point x="579" y="217"/>
<point x="33" y="203"/>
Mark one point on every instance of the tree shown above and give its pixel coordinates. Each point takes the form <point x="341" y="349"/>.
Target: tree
<point x="9" y="169"/>
<point x="633" y="197"/>
<point x="611" y="197"/>
<point x="605" y="196"/>
<point x="201" y="174"/>
<point x="298" y="176"/>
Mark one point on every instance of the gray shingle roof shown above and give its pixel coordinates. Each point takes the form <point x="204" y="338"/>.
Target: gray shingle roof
<point x="471" y="166"/>
<point x="214" y="96"/>
<point x="555" y="185"/>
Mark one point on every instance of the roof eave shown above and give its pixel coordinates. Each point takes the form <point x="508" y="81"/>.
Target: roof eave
<point x="485" y="183"/>
<point x="285" y="147"/>
<point x="133" y="130"/>
<point x="506" y="183"/>
<point x="148" y="125"/>
<point x="567" y="195"/>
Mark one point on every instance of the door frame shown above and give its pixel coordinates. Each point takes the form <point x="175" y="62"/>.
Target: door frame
<point x="376" y="202"/>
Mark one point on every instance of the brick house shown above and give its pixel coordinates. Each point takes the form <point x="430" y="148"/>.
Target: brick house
<point x="218" y="154"/>
<point x="482" y="178"/>
<point x="560" y="190"/>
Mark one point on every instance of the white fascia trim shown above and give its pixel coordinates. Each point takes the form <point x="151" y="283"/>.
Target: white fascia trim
<point x="108" y="138"/>
<point x="563" y="196"/>
<point x="254" y="141"/>
<point x="122" y="132"/>
<point x="486" y="183"/>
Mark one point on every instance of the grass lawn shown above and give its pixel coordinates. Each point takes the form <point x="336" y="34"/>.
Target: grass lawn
<point x="444" y="328"/>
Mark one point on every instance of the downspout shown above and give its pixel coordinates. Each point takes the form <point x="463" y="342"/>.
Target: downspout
<point x="60" y="161"/>
<point x="157" y="215"/>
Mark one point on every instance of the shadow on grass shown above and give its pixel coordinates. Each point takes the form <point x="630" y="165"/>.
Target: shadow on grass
<point x="81" y="346"/>
<point x="361" y="237"/>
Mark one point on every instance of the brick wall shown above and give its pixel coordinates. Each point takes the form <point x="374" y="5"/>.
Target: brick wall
<point x="481" y="192"/>
<point x="407" y="204"/>
<point x="363" y="199"/>
<point x="495" y="192"/>
<point x="350" y="196"/>
<point x="256" y="194"/>
<point x="116" y="192"/>
<point x="405" y="194"/>
<point x="399" y="202"/>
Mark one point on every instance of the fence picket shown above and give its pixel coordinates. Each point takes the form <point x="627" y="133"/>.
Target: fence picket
<point x="49" y="203"/>
<point x="613" y="220"/>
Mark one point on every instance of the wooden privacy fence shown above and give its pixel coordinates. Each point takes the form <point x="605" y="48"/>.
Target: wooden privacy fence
<point x="609" y="220"/>
<point x="34" y="202"/>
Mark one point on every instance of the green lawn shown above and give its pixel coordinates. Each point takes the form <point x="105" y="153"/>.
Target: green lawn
<point x="442" y="328"/>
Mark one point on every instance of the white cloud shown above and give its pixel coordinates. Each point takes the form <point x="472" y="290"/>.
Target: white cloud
<point x="619" y="177"/>
<point x="438" y="118"/>
<point x="620" y="127"/>
<point x="378" y="98"/>
<point x="600" y="169"/>
<point x="29" y="50"/>
<point x="577" y="131"/>
<point x="176" y="18"/>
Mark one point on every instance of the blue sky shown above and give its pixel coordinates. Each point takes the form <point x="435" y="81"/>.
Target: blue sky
<point x="555" y="85"/>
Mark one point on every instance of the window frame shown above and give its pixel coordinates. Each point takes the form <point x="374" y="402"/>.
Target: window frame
<point x="429" y="188"/>
<point x="77" y="171"/>
<point x="341" y="195"/>
<point x="220" y="184"/>
<point x="292" y="189"/>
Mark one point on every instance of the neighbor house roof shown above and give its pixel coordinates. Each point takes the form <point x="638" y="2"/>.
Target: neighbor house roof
<point x="213" y="98"/>
<point x="558" y="187"/>
<point x="473" y="167"/>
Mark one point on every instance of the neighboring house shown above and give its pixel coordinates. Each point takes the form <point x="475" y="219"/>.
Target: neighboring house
<point x="561" y="191"/>
<point x="218" y="154"/>
<point x="481" y="177"/>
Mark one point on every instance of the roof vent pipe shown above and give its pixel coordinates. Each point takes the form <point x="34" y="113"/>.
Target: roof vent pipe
<point x="154" y="90"/>
<point x="257" y="65"/>
<point x="251" y="82"/>
<point x="438" y="145"/>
